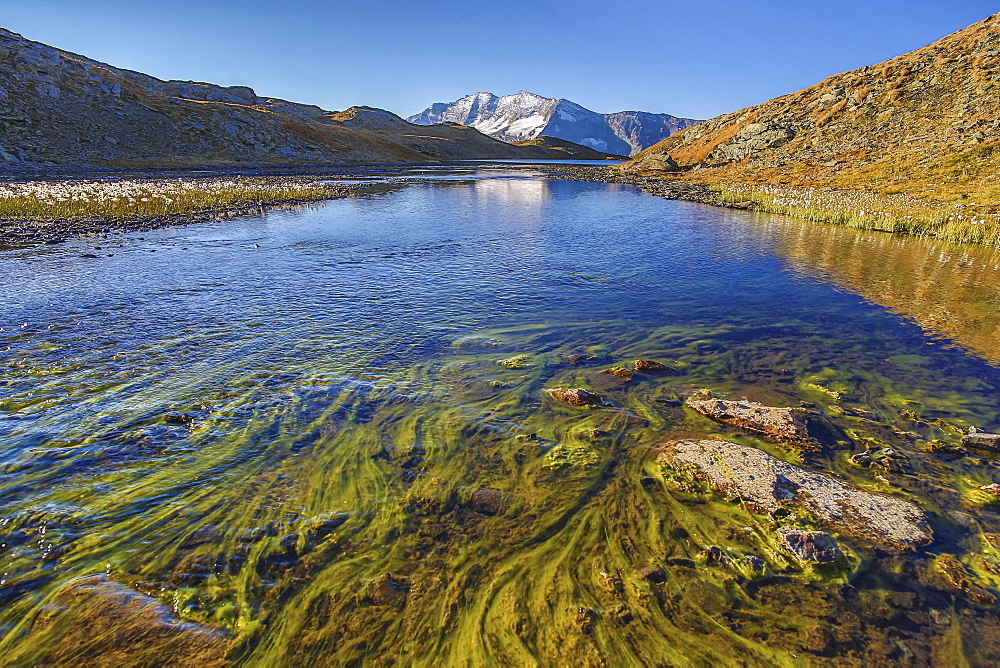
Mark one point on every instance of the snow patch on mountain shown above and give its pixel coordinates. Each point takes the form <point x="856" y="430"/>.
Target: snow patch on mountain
<point x="524" y="116"/>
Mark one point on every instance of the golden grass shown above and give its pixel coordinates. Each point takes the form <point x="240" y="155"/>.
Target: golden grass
<point x="121" y="199"/>
<point x="866" y="210"/>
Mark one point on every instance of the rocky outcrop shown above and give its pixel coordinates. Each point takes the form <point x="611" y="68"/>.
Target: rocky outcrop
<point x="750" y="141"/>
<point x="525" y="116"/>
<point x="769" y="485"/>
<point x="783" y="424"/>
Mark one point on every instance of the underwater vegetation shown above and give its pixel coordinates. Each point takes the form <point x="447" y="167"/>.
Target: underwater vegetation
<point x="224" y="452"/>
<point x="463" y="513"/>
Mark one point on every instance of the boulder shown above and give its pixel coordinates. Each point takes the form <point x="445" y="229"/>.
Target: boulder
<point x="769" y="485"/>
<point x="577" y="396"/>
<point x="783" y="424"/>
<point x="654" y="162"/>
<point x="486" y="501"/>
<point x="982" y="441"/>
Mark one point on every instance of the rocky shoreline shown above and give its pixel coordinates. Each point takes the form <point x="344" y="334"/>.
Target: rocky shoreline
<point x="21" y="231"/>
<point x="669" y="188"/>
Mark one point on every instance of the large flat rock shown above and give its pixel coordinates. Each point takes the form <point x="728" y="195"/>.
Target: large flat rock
<point x="783" y="424"/>
<point x="767" y="485"/>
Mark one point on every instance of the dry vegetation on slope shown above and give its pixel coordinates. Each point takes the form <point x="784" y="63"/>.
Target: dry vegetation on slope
<point x="59" y="109"/>
<point x="911" y="145"/>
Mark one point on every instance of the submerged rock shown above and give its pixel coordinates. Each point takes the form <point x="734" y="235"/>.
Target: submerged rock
<point x="783" y="424"/>
<point x="96" y="621"/>
<point x="649" y="366"/>
<point x="956" y="575"/>
<point x="811" y="546"/>
<point x="654" y="574"/>
<point x="577" y="396"/>
<point x="516" y="362"/>
<point x="768" y="485"/>
<point x="609" y="379"/>
<point x="619" y="372"/>
<point x="982" y="441"/>
<point x="385" y="589"/>
<point x="486" y="501"/>
<point x="185" y="419"/>
<point x="578" y="357"/>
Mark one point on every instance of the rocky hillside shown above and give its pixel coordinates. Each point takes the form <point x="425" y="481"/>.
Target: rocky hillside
<point x="59" y="109"/>
<point x="524" y="116"/>
<point x="926" y="123"/>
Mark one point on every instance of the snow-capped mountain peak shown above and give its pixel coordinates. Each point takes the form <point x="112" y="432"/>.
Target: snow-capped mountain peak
<point x="525" y="115"/>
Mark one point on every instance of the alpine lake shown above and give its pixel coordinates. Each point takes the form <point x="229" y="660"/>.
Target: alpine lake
<point x="325" y="435"/>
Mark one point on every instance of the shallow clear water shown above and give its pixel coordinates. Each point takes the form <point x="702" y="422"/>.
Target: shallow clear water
<point x="336" y="368"/>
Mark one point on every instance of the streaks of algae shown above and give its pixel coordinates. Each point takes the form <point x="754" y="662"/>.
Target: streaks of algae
<point x="277" y="512"/>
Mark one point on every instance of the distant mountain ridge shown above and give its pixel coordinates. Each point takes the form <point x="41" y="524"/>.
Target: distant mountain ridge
<point x="524" y="116"/>
<point x="62" y="110"/>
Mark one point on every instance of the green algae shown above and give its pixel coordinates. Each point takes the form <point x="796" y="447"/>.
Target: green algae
<point x="327" y="486"/>
<point x="517" y="530"/>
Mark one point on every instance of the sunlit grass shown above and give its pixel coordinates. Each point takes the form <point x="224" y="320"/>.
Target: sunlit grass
<point x="125" y="199"/>
<point x="859" y="209"/>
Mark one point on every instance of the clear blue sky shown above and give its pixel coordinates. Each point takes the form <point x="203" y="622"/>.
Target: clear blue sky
<point x="693" y="58"/>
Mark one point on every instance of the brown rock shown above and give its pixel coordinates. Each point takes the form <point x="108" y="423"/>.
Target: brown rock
<point x="577" y="357"/>
<point x="649" y="366"/>
<point x="993" y="489"/>
<point x="619" y="372"/>
<point x="955" y="574"/>
<point x="654" y="574"/>
<point x="783" y="424"/>
<point x="577" y="396"/>
<point x="982" y="441"/>
<point x="810" y="546"/>
<point x="98" y="622"/>
<point x="486" y="501"/>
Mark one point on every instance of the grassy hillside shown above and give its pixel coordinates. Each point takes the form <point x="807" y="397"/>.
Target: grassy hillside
<point x="59" y="109"/>
<point x="909" y="145"/>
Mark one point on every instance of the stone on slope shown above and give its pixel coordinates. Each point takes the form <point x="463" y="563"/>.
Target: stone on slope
<point x="767" y="485"/>
<point x="783" y="424"/>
